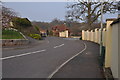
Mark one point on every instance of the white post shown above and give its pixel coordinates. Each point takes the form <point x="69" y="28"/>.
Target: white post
<point x="91" y="35"/>
<point x="83" y="35"/>
<point x="67" y="34"/>
<point x="87" y="34"/>
<point x="96" y="35"/>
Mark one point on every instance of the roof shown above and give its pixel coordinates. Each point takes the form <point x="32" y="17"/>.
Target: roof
<point x="115" y="21"/>
<point x="60" y="27"/>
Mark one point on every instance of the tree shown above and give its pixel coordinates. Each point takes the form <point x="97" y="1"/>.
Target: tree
<point x="89" y="12"/>
<point x="7" y="15"/>
<point x="56" y="22"/>
<point x="42" y="25"/>
<point x="38" y="29"/>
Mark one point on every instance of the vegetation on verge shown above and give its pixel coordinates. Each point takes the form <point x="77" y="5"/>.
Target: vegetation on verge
<point x="21" y="22"/>
<point x="35" y="36"/>
<point x="11" y="34"/>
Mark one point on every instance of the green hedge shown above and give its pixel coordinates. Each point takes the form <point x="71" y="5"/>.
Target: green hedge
<point x="35" y="36"/>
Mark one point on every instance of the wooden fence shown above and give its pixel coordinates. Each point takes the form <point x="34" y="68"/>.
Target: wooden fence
<point x="110" y="42"/>
<point x="94" y="35"/>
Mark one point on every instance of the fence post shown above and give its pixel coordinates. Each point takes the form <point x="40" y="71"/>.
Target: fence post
<point x="96" y="35"/>
<point x="83" y="35"/>
<point x="92" y="35"/>
<point x="108" y="43"/>
<point x="87" y="33"/>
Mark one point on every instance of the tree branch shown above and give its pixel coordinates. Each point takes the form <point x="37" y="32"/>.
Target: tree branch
<point x="95" y="18"/>
<point x="95" y="8"/>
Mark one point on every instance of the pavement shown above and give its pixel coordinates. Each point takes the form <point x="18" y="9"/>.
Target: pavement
<point x="85" y="65"/>
<point x="53" y="57"/>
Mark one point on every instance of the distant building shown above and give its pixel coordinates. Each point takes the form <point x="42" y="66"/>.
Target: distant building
<point x="60" y="31"/>
<point x="43" y="33"/>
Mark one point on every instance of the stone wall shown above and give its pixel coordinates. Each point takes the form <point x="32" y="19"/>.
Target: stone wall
<point x="12" y="42"/>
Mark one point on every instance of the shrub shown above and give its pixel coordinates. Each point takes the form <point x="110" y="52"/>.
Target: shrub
<point x="35" y="36"/>
<point x="22" y="22"/>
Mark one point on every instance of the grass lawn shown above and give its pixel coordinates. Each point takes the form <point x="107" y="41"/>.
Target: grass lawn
<point x="11" y="34"/>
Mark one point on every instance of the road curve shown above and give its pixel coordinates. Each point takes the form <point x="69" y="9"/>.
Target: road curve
<point x="40" y="60"/>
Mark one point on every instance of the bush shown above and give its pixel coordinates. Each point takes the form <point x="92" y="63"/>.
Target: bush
<point x="22" y="22"/>
<point x="35" y="36"/>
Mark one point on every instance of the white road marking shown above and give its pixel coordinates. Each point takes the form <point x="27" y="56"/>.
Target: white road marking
<point x="51" y="75"/>
<point x="59" y="46"/>
<point x="22" y="54"/>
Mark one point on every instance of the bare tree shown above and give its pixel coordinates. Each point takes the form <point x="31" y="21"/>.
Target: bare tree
<point x="7" y="15"/>
<point x="89" y="12"/>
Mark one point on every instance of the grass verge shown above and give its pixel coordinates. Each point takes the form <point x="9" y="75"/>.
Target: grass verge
<point x="11" y="34"/>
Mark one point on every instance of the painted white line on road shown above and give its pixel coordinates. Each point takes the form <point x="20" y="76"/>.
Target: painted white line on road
<point x="22" y="54"/>
<point x="59" y="46"/>
<point x="51" y="75"/>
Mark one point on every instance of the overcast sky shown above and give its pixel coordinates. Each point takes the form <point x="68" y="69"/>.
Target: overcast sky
<point x="43" y="11"/>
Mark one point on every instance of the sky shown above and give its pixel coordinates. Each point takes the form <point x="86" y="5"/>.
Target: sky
<point x="43" y="11"/>
<point x="39" y="11"/>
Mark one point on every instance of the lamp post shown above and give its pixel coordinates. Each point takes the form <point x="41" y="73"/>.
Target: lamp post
<point x="101" y="42"/>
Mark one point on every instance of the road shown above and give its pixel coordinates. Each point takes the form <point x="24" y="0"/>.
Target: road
<point x="40" y="60"/>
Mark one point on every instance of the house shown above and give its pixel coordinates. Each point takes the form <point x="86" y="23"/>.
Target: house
<point x="60" y="31"/>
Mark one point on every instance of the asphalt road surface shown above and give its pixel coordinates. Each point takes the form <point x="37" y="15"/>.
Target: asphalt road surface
<point x="40" y="60"/>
